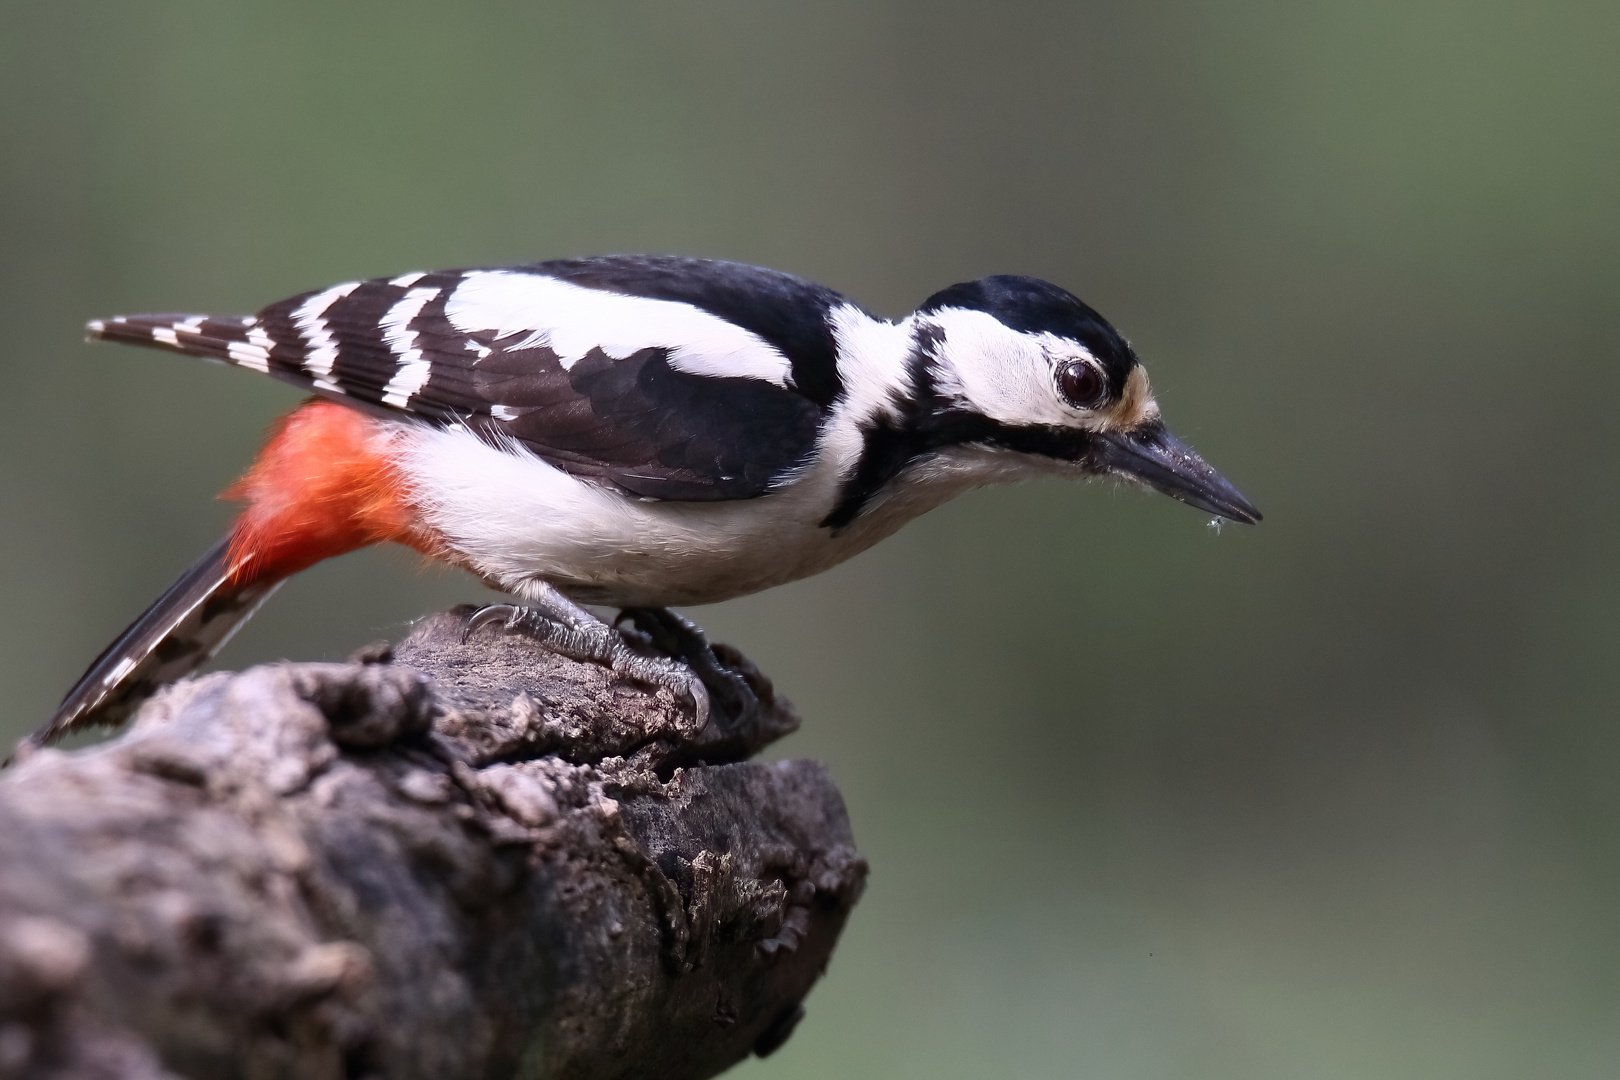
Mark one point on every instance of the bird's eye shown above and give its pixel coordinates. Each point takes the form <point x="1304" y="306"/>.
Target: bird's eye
<point x="1081" y="384"/>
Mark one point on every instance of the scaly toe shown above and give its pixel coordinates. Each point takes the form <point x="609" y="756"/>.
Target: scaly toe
<point x="655" y="671"/>
<point x="597" y="643"/>
<point x="682" y="640"/>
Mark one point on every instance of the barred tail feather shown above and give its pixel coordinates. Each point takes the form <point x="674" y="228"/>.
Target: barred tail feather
<point x="229" y="339"/>
<point x="182" y="629"/>
<point x="238" y="340"/>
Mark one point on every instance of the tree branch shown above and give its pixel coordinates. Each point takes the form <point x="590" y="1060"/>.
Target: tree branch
<point x="450" y="859"/>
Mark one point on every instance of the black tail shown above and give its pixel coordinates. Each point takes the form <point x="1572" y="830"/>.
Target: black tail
<point x="185" y="626"/>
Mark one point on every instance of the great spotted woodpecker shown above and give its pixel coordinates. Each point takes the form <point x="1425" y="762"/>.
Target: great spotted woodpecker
<point x="633" y="431"/>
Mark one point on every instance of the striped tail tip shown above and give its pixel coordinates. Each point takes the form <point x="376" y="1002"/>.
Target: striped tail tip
<point x="176" y="635"/>
<point x="236" y="339"/>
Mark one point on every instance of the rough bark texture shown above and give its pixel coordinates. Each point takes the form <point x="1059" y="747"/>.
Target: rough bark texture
<point x="443" y="860"/>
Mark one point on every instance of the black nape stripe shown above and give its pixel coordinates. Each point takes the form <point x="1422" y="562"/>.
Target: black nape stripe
<point x="891" y="449"/>
<point x="887" y="450"/>
<point x="927" y="425"/>
<point x="888" y="445"/>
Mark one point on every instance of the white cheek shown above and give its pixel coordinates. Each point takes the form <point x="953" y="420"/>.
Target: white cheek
<point x="1000" y="373"/>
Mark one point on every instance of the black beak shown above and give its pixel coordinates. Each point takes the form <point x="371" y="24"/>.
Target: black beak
<point x="1151" y="454"/>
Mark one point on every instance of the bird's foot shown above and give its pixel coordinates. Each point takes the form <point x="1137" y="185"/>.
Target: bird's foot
<point x="730" y="690"/>
<point x="575" y="633"/>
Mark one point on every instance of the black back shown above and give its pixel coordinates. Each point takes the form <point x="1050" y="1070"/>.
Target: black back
<point x="636" y="421"/>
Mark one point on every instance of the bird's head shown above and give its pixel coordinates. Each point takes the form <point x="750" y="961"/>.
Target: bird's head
<point x="1018" y="364"/>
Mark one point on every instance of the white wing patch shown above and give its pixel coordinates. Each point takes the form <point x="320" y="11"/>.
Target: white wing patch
<point x="571" y="320"/>
<point x="321" y="347"/>
<point x="414" y="368"/>
<point x="254" y="352"/>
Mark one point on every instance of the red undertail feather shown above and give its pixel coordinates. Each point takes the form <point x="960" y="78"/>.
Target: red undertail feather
<point x="322" y="486"/>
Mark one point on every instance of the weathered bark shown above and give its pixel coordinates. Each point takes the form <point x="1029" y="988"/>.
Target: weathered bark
<point x="448" y="860"/>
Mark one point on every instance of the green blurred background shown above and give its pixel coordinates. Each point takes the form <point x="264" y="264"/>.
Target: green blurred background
<point x="1335" y="796"/>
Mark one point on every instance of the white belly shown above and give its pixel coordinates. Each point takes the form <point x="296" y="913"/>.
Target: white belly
<point x="512" y="518"/>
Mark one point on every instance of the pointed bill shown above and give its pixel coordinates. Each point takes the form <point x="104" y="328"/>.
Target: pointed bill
<point x="1151" y="454"/>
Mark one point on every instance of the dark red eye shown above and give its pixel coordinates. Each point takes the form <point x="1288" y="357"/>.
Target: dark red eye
<point x="1081" y="384"/>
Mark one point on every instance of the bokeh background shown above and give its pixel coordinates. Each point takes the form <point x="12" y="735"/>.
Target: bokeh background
<point x="1331" y="797"/>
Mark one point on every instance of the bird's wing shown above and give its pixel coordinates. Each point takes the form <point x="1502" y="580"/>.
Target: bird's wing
<point x="671" y="378"/>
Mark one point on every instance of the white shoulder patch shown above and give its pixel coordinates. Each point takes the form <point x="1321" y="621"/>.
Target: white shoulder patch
<point x="571" y="320"/>
<point x="872" y="357"/>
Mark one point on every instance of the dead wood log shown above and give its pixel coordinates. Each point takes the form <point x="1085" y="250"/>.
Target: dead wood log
<point x="445" y="859"/>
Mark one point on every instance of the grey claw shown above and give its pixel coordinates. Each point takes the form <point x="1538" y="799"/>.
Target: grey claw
<point x="700" y="704"/>
<point x="505" y="614"/>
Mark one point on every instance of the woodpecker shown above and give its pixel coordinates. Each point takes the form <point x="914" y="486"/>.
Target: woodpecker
<point x="633" y="431"/>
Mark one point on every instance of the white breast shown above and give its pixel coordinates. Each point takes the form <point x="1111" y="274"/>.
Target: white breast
<point x="510" y="518"/>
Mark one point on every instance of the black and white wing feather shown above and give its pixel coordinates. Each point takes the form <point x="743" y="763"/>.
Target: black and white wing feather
<point x="671" y="378"/>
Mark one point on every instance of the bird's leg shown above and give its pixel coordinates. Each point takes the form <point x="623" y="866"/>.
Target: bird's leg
<point x="681" y="638"/>
<point x="569" y="630"/>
